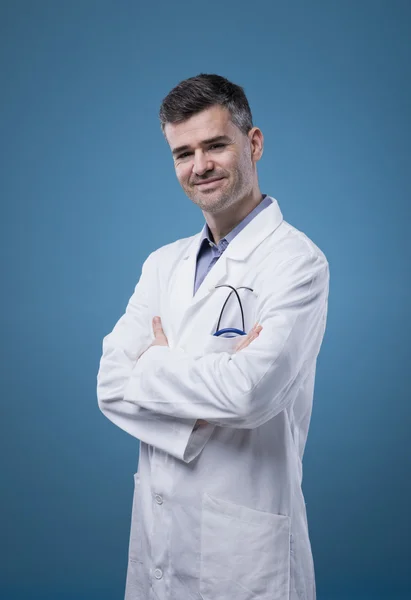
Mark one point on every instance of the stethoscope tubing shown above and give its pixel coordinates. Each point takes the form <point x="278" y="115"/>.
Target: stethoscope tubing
<point x="233" y="330"/>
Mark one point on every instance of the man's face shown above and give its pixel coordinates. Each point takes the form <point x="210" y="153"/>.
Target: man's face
<point x="199" y="157"/>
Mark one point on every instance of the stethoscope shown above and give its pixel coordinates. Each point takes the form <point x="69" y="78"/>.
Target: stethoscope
<point x="231" y="329"/>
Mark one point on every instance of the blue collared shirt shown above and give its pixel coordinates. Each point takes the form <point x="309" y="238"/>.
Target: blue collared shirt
<point x="209" y="252"/>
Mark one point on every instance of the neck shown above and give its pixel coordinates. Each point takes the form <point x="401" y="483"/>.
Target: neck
<point x="220" y="224"/>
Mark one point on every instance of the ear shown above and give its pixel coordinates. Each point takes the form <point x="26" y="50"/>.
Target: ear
<point x="255" y="135"/>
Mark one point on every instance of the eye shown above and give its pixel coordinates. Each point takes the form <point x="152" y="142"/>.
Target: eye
<point x="217" y="146"/>
<point x="184" y="155"/>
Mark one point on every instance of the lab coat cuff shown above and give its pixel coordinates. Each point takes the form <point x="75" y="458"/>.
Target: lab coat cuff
<point x="197" y="441"/>
<point x="183" y="442"/>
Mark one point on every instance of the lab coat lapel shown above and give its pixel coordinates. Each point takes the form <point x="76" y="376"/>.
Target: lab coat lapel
<point x="182" y="286"/>
<point x="231" y="265"/>
<point x="182" y="300"/>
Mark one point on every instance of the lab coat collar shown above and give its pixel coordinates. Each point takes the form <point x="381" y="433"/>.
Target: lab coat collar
<point x="249" y="237"/>
<point x="231" y="265"/>
<point x="206" y="234"/>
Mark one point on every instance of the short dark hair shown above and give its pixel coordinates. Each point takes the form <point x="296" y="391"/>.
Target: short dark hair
<point x="195" y="94"/>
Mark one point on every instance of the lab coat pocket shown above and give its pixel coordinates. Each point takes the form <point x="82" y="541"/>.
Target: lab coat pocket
<point x="217" y="343"/>
<point x="245" y="553"/>
<point x="136" y="530"/>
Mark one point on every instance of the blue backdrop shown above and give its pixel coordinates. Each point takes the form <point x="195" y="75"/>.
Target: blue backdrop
<point x="88" y="190"/>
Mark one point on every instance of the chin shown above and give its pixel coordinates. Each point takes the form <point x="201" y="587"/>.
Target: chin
<point x="213" y="205"/>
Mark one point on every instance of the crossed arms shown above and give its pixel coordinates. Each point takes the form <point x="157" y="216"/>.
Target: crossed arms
<point x="157" y="394"/>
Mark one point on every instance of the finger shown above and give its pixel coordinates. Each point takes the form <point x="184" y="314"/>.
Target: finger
<point x="249" y="338"/>
<point x="160" y="338"/>
<point x="157" y="327"/>
<point x="255" y="329"/>
<point x="244" y="343"/>
<point x="240" y="344"/>
<point x="253" y="333"/>
<point x="252" y="338"/>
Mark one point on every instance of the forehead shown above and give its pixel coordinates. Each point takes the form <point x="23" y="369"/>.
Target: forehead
<point x="209" y="123"/>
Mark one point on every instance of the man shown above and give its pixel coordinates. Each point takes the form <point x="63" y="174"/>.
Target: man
<point x="218" y="510"/>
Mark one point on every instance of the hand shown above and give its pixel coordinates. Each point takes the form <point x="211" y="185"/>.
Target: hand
<point x="247" y="339"/>
<point x="159" y="335"/>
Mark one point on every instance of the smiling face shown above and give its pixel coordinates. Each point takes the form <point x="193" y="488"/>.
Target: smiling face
<point x="214" y="161"/>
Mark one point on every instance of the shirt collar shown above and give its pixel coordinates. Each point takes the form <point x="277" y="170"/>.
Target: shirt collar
<point x="206" y="235"/>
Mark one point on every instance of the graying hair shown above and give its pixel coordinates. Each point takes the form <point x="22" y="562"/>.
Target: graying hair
<point x="195" y="94"/>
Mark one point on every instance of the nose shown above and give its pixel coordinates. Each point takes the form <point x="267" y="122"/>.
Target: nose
<point x="201" y="164"/>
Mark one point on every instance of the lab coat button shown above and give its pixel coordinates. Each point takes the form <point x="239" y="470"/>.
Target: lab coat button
<point x="158" y="573"/>
<point x="159" y="499"/>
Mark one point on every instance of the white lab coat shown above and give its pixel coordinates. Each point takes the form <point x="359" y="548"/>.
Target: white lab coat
<point x="218" y="512"/>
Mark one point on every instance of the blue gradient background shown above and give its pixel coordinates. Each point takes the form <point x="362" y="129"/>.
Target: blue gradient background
<point x="88" y="190"/>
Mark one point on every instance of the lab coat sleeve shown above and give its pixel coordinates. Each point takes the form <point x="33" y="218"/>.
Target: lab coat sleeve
<point x="122" y="348"/>
<point x="247" y="388"/>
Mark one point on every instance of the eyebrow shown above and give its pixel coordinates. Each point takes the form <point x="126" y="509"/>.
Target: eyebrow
<point x="218" y="138"/>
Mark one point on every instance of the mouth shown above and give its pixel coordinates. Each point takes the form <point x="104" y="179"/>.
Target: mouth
<point x="209" y="183"/>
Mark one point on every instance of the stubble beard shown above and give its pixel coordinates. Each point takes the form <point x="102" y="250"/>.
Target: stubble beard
<point x="215" y="202"/>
